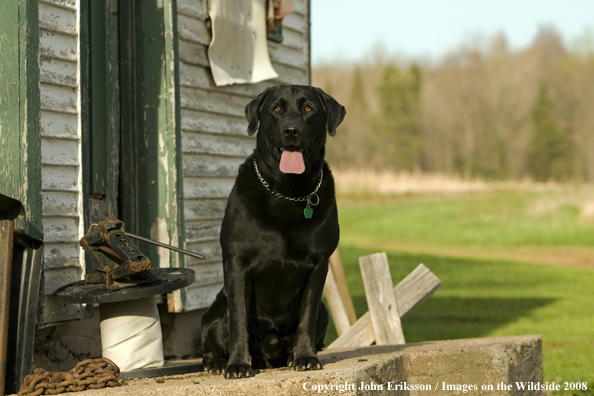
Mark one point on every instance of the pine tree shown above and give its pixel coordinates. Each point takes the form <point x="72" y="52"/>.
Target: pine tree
<point x="551" y="151"/>
<point x="399" y="122"/>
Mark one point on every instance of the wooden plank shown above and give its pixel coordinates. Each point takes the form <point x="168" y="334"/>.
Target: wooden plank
<point x="210" y="273"/>
<point x="59" y="255"/>
<point x="59" y="152"/>
<point x="338" y="270"/>
<point x="192" y="8"/>
<point x="59" y="46"/>
<point x="54" y="312"/>
<point x="201" y="297"/>
<point x="59" y="178"/>
<point x="287" y="56"/>
<point x="60" y="204"/>
<point x="419" y="285"/>
<point x="204" y="209"/>
<point x="202" y="121"/>
<point x="336" y="306"/>
<point x="214" y="144"/>
<point x="58" y="98"/>
<point x="192" y="53"/>
<point x="290" y="75"/>
<point x="205" y="230"/>
<point x="58" y="72"/>
<point x="57" y="19"/>
<point x="211" y="165"/>
<point x="211" y="249"/>
<point x="213" y="101"/>
<point x="381" y="299"/>
<point x="61" y="229"/>
<point x="67" y="4"/>
<point x="20" y="137"/>
<point x="193" y="76"/>
<point x="301" y="6"/>
<point x="58" y="277"/>
<point x="294" y="39"/>
<point x="200" y="187"/>
<point x="295" y="21"/>
<point x="193" y="30"/>
<point x="59" y="125"/>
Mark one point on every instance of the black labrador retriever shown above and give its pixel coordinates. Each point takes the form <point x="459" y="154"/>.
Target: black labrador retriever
<point x="279" y="230"/>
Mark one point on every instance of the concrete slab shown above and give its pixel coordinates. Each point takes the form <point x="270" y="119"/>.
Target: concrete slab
<point x="482" y="366"/>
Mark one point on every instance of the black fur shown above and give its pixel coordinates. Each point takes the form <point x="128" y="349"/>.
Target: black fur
<point x="269" y="312"/>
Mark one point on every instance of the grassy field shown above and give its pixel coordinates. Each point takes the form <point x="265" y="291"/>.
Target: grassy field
<point x="470" y="240"/>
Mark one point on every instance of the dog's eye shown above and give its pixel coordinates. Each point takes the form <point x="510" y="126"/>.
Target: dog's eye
<point x="307" y="108"/>
<point x="277" y="108"/>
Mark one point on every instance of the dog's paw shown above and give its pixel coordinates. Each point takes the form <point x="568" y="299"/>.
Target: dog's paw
<point x="303" y="363"/>
<point x="215" y="366"/>
<point x="238" y="371"/>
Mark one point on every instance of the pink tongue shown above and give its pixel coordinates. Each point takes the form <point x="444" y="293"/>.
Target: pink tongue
<point x="292" y="162"/>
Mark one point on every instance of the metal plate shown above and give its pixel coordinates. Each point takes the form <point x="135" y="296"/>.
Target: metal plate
<point x="177" y="367"/>
<point x="167" y="280"/>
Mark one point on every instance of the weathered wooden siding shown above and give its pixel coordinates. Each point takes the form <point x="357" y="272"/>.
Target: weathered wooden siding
<point x="214" y="138"/>
<point x="60" y="152"/>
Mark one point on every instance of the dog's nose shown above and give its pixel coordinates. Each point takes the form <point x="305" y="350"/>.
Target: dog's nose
<point x="292" y="130"/>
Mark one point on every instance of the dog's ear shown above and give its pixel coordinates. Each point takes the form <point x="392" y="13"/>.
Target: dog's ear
<point x="253" y="110"/>
<point x="335" y="112"/>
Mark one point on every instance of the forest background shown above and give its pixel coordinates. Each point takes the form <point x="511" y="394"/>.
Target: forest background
<point x="481" y="111"/>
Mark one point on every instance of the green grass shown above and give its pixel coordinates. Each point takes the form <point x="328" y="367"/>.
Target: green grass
<point x="500" y="218"/>
<point x="484" y="297"/>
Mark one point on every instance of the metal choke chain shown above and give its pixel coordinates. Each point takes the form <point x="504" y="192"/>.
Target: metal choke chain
<point x="300" y="199"/>
<point x="90" y="373"/>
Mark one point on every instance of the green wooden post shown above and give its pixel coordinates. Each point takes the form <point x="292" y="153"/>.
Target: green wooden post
<point x="151" y="156"/>
<point x="20" y="130"/>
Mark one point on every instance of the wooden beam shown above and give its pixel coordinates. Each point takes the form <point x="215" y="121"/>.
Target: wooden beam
<point x="381" y="299"/>
<point x="336" y="306"/>
<point x="419" y="285"/>
<point x="347" y="301"/>
<point x="20" y="128"/>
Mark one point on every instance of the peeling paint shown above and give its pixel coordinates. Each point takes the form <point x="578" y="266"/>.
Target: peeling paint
<point x="160" y="233"/>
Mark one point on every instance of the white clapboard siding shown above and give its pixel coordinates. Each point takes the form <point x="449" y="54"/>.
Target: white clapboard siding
<point x="217" y="144"/>
<point x="59" y="125"/>
<point x="202" y="121"/>
<point x="60" y="154"/>
<point x="60" y="255"/>
<point x="214" y="138"/>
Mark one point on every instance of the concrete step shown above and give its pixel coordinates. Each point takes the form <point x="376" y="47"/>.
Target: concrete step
<point x="481" y="366"/>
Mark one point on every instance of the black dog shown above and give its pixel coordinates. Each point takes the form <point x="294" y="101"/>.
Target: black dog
<point x="279" y="230"/>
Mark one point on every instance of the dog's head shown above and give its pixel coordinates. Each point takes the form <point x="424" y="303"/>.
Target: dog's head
<point x="292" y="122"/>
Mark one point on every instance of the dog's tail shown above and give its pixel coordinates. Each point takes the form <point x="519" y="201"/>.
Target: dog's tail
<point x="272" y="345"/>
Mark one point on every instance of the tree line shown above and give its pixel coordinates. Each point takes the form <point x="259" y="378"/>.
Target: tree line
<point x="481" y="111"/>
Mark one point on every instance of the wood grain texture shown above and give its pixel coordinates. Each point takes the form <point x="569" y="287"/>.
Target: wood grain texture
<point x="335" y="303"/>
<point x="347" y="301"/>
<point x="419" y="285"/>
<point x="381" y="299"/>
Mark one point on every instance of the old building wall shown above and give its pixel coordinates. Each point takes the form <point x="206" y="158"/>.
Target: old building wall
<point x="214" y="138"/>
<point x="61" y="153"/>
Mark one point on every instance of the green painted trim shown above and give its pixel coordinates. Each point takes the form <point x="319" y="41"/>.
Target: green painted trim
<point x="85" y="114"/>
<point x="176" y="194"/>
<point x="151" y="157"/>
<point x="20" y="129"/>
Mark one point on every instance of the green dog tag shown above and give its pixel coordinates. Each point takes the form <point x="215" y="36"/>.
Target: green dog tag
<point x="308" y="211"/>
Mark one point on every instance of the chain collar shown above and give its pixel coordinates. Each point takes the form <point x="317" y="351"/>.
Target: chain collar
<point x="307" y="198"/>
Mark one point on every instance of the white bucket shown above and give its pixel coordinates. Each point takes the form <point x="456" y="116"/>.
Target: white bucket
<point x="131" y="333"/>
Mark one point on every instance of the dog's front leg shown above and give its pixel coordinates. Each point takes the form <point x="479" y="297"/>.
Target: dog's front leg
<point x="238" y="284"/>
<point x="305" y="354"/>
